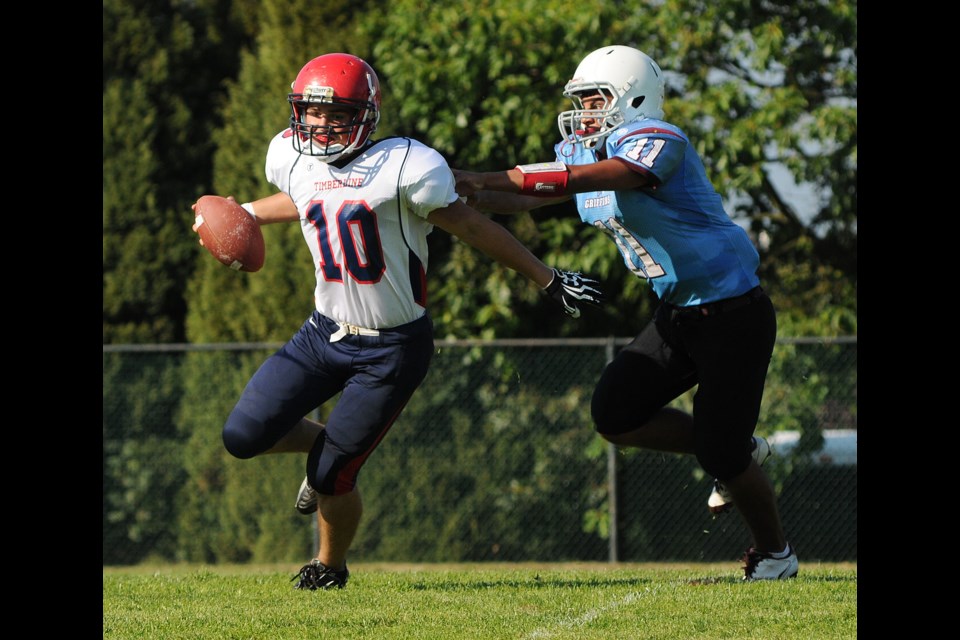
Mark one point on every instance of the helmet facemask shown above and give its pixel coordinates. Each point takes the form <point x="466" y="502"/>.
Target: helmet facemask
<point x="631" y="84"/>
<point x="606" y="119"/>
<point x="343" y="83"/>
<point x="314" y="140"/>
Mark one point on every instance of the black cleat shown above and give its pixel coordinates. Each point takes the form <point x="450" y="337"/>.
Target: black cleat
<point x="317" y="575"/>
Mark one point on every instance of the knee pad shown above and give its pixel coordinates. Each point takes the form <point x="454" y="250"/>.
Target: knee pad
<point x="331" y="471"/>
<point x="612" y="418"/>
<point x="608" y="417"/>
<point x="602" y="422"/>
<point x="242" y="436"/>
<point x="723" y="461"/>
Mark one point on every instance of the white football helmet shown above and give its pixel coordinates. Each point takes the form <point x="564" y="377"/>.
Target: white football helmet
<point x="629" y="80"/>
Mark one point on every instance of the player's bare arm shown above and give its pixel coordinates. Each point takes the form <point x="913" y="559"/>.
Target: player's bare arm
<point x="471" y="185"/>
<point x="606" y="175"/>
<point x="504" y="191"/>
<point x="276" y="208"/>
<point x="483" y="234"/>
<point x="508" y="203"/>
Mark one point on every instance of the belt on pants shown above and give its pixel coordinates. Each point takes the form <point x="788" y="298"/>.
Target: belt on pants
<point x="718" y="307"/>
<point x="347" y="329"/>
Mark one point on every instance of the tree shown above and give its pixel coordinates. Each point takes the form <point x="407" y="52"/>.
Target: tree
<point x="481" y="83"/>
<point x="193" y="92"/>
<point x="759" y="86"/>
<point x="163" y="63"/>
<point x="159" y="59"/>
<point x="766" y="89"/>
<point x="237" y="510"/>
<point x="141" y="455"/>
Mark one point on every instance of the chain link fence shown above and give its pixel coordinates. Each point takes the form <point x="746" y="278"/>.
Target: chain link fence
<point x="495" y="458"/>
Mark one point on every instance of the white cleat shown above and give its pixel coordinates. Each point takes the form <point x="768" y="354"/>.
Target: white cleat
<point x="762" y="566"/>
<point x="720" y="499"/>
<point x="306" y="499"/>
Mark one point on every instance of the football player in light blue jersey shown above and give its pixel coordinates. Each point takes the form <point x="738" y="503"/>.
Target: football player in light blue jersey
<point x="639" y="179"/>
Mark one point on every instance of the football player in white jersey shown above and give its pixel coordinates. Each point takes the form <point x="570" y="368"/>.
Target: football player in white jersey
<point x="365" y="208"/>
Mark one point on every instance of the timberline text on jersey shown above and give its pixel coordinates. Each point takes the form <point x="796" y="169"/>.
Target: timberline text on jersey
<point x="326" y="185"/>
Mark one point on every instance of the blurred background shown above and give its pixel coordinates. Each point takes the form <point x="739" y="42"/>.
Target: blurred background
<point x="495" y="458"/>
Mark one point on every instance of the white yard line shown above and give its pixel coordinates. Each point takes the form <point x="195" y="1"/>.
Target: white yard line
<point x="587" y="617"/>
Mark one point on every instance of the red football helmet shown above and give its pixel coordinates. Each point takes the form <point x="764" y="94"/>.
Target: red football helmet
<point x="342" y="80"/>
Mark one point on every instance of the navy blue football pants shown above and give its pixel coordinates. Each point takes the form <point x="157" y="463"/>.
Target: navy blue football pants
<point x="377" y="375"/>
<point x="727" y="354"/>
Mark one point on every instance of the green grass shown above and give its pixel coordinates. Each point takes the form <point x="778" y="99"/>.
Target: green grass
<point x="482" y="601"/>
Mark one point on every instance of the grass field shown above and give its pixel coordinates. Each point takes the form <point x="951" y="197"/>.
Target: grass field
<point x="481" y="601"/>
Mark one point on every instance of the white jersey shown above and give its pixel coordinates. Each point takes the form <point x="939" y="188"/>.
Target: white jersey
<point x="366" y="225"/>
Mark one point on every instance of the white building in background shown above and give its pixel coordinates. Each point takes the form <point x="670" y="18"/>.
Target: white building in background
<point x="839" y="446"/>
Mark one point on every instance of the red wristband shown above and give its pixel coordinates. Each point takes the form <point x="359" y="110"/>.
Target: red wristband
<point x="546" y="179"/>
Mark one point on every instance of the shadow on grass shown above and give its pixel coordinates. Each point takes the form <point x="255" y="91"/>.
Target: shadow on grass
<point x="700" y="582"/>
<point x="532" y="583"/>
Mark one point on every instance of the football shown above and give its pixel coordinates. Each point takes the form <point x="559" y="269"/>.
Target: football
<point x="229" y="233"/>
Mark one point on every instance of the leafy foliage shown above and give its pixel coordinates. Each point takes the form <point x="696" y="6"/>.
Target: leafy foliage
<point x="766" y="91"/>
<point x="238" y="510"/>
<point x="498" y="440"/>
<point x="192" y="94"/>
<point x="501" y="66"/>
<point x="162" y="62"/>
<point x="140" y="447"/>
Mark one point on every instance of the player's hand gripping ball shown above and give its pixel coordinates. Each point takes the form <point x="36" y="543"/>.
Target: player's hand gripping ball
<point x="229" y="233"/>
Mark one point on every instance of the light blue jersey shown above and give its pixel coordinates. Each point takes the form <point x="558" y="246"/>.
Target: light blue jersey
<point x="676" y="234"/>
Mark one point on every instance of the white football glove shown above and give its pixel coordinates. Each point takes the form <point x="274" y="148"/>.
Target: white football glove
<point x="570" y="287"/>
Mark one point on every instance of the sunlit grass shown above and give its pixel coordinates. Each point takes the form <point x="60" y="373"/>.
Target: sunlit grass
<point x="385" y="602"/>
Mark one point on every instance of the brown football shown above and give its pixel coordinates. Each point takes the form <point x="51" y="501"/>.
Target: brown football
<point x="229" y="233"/>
